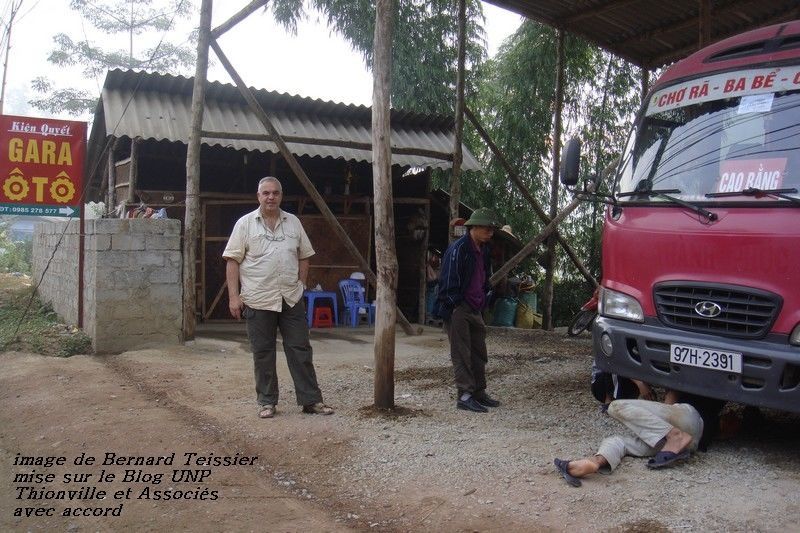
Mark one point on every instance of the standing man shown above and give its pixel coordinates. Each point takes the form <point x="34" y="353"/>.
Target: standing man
<point x="268" y="253"/>
<point x="463" y="288"/>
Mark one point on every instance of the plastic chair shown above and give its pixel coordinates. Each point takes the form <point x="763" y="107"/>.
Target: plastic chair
<point x="311" y="299"/>
<point x="322" y="317"/>
<point x="353" y="297"/>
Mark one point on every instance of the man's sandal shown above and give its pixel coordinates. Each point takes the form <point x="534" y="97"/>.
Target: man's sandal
<point x="317" y="409"/>
<point x="266" y="411"/>
<point x="563" y="468"/>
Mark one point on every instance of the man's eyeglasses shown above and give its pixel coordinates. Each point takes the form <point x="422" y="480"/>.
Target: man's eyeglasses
<point x="271" y="237"/>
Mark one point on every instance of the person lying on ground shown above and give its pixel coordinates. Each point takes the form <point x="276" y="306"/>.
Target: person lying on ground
<point x="607" y="387"/>
<point x="668" y="433"/>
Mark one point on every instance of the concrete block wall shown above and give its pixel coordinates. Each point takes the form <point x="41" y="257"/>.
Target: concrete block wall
<point x="59" y="287"/>
<point x="132" y="280"/>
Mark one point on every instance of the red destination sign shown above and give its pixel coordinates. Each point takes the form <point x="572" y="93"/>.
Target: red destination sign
<point x="726" y="85"/>
<point x="736" y="175"/>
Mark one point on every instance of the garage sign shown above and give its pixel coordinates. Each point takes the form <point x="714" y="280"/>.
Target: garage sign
<point x="41" y="166"/>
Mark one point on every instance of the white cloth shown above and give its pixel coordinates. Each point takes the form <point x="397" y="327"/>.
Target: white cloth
<point x="650" y="422"/>
<point x="269" y="260"/>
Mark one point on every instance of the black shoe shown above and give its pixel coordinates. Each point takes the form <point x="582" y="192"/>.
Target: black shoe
<point x="470" y="404"/>
<point x="486" y="400"/>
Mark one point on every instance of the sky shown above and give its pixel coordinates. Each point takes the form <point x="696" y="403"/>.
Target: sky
<point x="330" y="70"/>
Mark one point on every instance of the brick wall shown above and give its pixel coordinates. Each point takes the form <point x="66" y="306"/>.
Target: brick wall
<point x="132" y="279"/>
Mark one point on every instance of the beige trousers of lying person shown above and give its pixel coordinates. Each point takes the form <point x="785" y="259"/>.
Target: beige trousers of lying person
<point x="650" y="422"/>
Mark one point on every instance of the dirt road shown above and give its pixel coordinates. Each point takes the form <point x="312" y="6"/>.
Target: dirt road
<point x="427" y="467"/>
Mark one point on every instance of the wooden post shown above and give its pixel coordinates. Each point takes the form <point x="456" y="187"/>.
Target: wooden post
<point x="514" y="176"/>
<point x="422" y="309"/>
<point x="81" y="262"/>
<point x="112" y="178"/>
<point x="203" y="249"/>
<point x="645" y="85"/>
<point x="455" y="179"/>
<point x="291" y="160"/>
<point x="385" y="251"/>
<point x="191" y="222"/>
<point x="704" y="26"/>
<point x="547" y="314"/>
<point x="133" y="174"/>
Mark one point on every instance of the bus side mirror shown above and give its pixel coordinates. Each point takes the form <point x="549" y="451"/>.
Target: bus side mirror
<point x="570" y="162"/>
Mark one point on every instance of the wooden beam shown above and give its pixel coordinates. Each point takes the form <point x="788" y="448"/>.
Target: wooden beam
<point x="612" y="22"/>
<point x="658" y="32"/>
<point x="690" y="20"/>
<point x="294" y="165"/>
<point x="385" y="250"/>
<point x="133" y="171"/>
<point x="600" y="9"/>
<point x="680" y="53"/>
<point x="514" y="176"/>
<point x="526" y="250"/>
<point x="654" y="33"/>
<point x="445" y="156"/>
<point x="191" y="220"/>
<point x="237" y="18"/>
<point x="411" y="201"/>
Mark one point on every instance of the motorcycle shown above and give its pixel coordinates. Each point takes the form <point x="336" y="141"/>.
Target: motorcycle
<point x="584" y="318"/>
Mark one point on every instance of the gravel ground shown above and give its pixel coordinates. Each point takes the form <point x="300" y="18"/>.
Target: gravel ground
<point x="499" y="466"/>
<point x="424" y="466"/>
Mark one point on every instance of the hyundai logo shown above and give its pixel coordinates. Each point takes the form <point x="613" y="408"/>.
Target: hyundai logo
<point x="707" y="309"/>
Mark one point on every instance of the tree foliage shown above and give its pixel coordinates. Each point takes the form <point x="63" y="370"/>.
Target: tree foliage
<point x="133" y="22"/>
<point x="15" y="255"/>
<point x="515" y="103"/>
<point x="513" y="96"/>
<point x="424" y="45"/>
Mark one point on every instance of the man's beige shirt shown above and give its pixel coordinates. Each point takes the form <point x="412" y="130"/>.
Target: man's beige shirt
<point x="268" y="260"/>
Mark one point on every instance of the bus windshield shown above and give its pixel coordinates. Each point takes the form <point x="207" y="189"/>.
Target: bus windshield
<point x="727" y="138"/>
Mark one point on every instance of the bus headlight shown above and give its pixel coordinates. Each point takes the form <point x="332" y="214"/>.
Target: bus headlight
<point x="615" y="304"/>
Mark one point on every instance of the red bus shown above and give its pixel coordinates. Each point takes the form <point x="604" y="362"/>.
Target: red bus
<point x="701" y="245"/>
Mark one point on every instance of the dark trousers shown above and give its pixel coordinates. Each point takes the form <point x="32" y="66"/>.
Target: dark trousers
<point x="262" y="329"/>
<point x="467" y="334"/>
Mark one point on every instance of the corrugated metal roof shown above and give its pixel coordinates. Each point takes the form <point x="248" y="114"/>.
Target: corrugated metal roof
<point x="158" y="106"/>
<point x="650" y="33"/>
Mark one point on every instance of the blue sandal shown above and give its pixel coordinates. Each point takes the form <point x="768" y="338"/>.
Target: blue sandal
<point x="667" y="459"/>
<point x="563" y="468"/>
